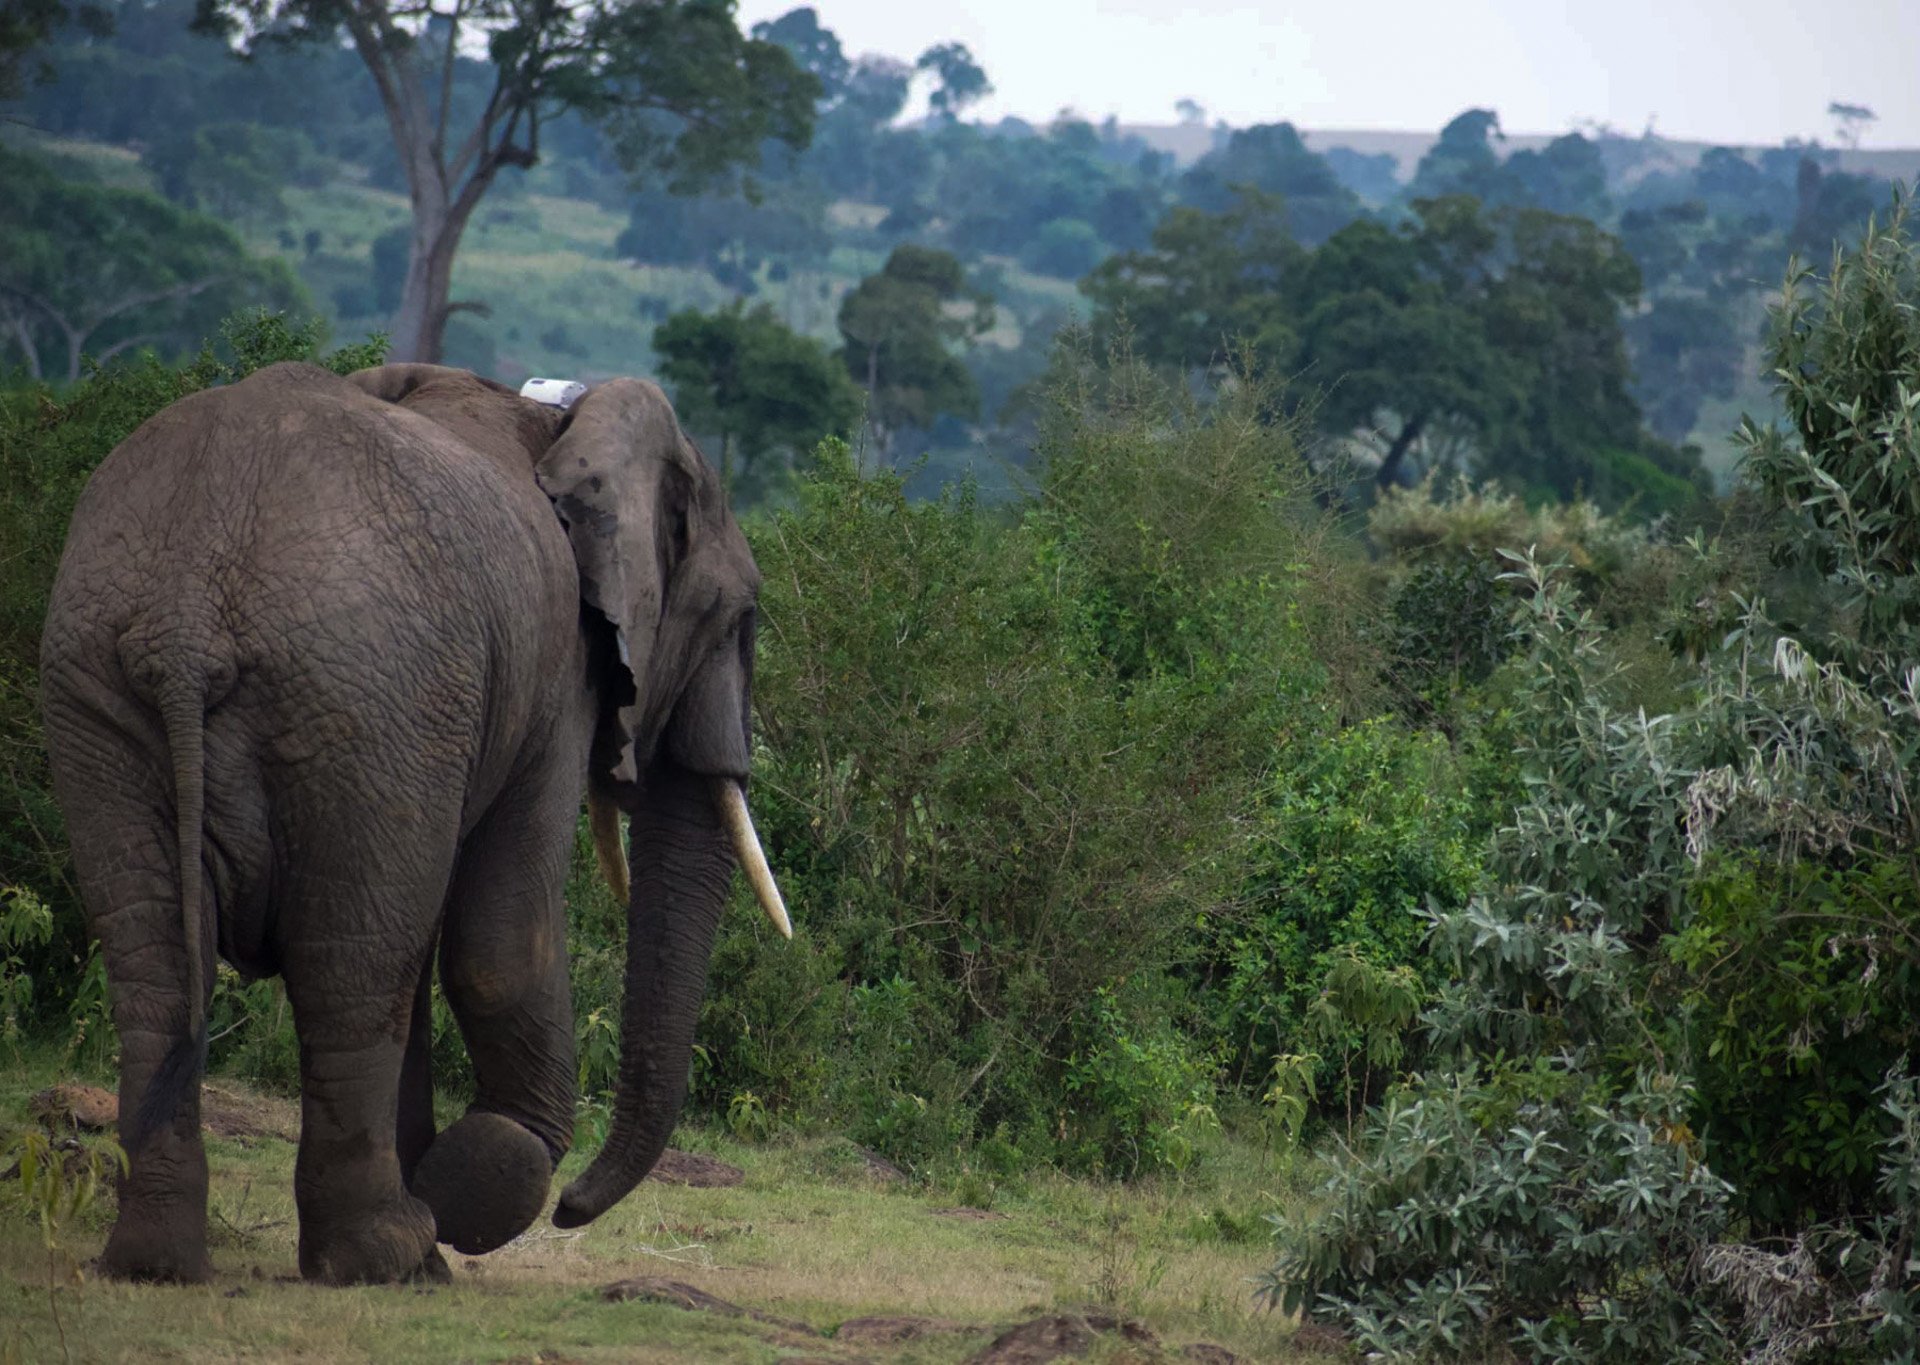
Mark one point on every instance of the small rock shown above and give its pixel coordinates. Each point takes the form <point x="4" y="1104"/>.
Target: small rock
<point x="1058" y="1336"/>
<point x="691" y="1168"/>
<point x="879" y="1167"/>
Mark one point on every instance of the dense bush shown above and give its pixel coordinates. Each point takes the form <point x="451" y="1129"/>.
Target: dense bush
<point x="1699" y="926"/>
<point x="1006" y="769"/>
<point x="1355" y="832"/>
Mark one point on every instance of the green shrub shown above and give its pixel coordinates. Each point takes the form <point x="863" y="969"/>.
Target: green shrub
<point x="1137" y="1090"/>
<point x="1523" y="1210"/>
<point x="1004" y="764"/>
<point x="1703" y="924"/>
<point x="1354" y="834"/>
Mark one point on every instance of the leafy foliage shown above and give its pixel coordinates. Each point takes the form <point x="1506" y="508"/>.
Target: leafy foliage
<point x="1000" y="768"/>
<point x="87" y="270"/>
<point x="761" y="386"/>
<point x="1487" y="340"/>
<point x="1700" y="925"/>
<point x="897" y="335"/>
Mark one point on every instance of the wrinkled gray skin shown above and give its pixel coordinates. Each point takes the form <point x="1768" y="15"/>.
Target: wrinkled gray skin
<point x="322" y="672"/>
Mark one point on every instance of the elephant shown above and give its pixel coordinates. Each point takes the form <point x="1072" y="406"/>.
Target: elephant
<point x="328" y="665"/>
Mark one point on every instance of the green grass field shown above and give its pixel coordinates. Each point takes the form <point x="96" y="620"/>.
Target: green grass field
<point x="812" y="1235"/>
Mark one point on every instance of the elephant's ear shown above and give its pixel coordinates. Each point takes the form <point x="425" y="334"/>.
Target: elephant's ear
<point x="622" y="476"/>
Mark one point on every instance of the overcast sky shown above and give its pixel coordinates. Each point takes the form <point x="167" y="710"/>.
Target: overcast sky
<point x="1735" y="71"/>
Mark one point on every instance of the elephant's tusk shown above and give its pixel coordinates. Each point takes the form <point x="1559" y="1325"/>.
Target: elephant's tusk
<point x="731" y="798"/>
<point x="603" y="817"/>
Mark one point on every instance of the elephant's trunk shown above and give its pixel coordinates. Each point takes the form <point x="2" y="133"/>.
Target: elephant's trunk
<point x="681" y="860"/>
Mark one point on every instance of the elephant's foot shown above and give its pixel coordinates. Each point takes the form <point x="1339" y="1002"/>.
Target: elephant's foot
<point x="486" y="1180"/>
<point x="433" y="1270"/>
<point x="386" y="1244"/>
<point x="161" y="1252"/>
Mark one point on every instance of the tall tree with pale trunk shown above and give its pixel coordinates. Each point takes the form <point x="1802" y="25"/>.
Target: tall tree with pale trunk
<point x="684" y="96"/>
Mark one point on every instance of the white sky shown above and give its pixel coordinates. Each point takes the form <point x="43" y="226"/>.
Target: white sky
<point x="1734" y="71"/>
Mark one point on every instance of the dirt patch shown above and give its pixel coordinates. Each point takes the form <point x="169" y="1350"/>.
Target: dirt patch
<point x="1206" y="1353"/>
<point x="891" y="1331"/>
<point x="224" y="1112"/>
<point x="1318" y="1336"/>
<point x="233" y="1113"/>
<point x="691" y="1168"/>
<point x="968" y="1215"/>
<point x="1059" y="1336"/>
<point x="658" y="1289"/>
<point x="86" y="1107"/>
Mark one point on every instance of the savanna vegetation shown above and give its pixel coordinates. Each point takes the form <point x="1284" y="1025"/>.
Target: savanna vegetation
<point x="1373" y="793"/>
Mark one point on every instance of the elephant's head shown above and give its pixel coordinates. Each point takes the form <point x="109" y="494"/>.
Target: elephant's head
<point x="670" y="585"/>
<point x="664" y="564"/>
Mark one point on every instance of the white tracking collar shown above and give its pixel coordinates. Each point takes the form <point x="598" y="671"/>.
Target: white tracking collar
<point x="555" y="393"/>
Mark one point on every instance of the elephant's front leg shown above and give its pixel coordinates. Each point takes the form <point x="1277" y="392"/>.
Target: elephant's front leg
<point x="503" y="964"/>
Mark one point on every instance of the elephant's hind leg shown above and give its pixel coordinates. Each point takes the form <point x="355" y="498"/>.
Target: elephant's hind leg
<point x="355" y="946"/>
<point x="120" y="820"/>
<point x="504" y="967"/>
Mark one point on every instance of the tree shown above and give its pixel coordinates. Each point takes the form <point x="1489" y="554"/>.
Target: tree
<point x="1067" y="247"/>
<point x="958" y="79"/>
<point x="1566" y="176"/>
<point x="755" y="382"/>
<point x="1832" y="208"/>
<point x="816" y="49"/>
<point x="26" y="25"/>
<point x="787" y="226"/>
<point x="1374" y="176"/>
<point x="898" y="328"/>
<point x="233" y="170"/>
<point x="89" y="270"/>
<point x="1395" y="342"/>
<point x="1207" y="282"/>
<point x="1500" y="328"/>
<point x="1462" y="160"/>
<point x="684" y="96"/>
<point x="1272" y="157"/>
<point x="1850" y="120"/>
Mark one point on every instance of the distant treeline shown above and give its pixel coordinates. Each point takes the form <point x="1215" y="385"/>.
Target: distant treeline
<point x="1015" y="203"/>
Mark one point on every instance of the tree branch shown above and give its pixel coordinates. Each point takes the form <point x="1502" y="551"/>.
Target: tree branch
<point x="23" y="336"/>
<point x="130" y="301"/>
<point x="446" y="79"/>
<point x="126" y="345"/>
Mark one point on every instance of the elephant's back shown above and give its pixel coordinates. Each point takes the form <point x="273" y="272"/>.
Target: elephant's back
<point x="381" y="586"/>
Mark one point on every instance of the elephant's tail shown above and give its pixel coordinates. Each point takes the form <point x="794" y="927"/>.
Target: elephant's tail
<point x="183" y="711"/>
<point x="181" y="695"/>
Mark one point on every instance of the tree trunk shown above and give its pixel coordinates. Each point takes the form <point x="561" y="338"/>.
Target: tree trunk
<point x="1396" y="455"/>
<point x="874" y="427"/>
<point x="419" y="326"/>
<point x="445" y="184"/>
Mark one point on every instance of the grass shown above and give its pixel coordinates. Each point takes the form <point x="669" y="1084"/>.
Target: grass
<point x="811" y="1234"/>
